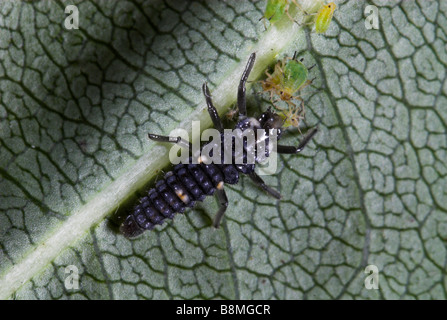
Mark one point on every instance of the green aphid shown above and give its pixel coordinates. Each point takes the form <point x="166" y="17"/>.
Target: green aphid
<point x="289" y="77"/>
<point x="275" y="10"/>
<point x="295" y="76"/>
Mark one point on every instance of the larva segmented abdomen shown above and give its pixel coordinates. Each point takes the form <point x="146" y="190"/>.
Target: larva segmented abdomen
<point x="179" y="189"/>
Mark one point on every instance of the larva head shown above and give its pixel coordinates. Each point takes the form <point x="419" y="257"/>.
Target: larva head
<point x="270" y="120"/>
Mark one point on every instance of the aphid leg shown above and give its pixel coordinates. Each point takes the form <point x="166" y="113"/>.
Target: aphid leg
<point x="211" y="109"/>
<point x="265" y="82"/>
<point x="293" y="106"/>
<point x="301" y="112"/>
<point x="300" y="7"/>
<point x="261" y="184"/>
<point x="263" y="20"/>
<point x="230" y="114"/>
<point x="272" y="93"/>
<point x="177" y="140"/>
<point x="241" y="102"/>
<point x="305" y="14"/>
<point x="223" y="204"/>
<point x="274" y="101"/>
<point x="281" y="67"/>
<point x="308" y="23"/>
<point x="284" y="113"/>
<point x="294" y="150"/>
<point x="269" y="77"/>
<point x="308" y="82"/>
<point x="286" y="10"/>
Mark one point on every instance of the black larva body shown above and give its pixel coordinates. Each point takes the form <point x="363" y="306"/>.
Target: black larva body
<point x="181" y="188"/>
<point x="188" y="183"/>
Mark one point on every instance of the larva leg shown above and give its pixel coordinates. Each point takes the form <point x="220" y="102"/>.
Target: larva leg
<point x="294" y="150"/>
<point x="211" y="109"/>
<point x="223" y="204"/>
<point x="177" y="140"/>
<point x="261" y="184"/>
<point x="241" y="102"/>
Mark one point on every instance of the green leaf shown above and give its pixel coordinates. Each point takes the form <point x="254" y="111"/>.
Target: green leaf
<point x="76" y="107"/>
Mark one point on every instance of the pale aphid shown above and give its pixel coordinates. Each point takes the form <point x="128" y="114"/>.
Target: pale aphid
<point x="231" y="115"/>
<point x="288" y="78"/>
<point x="322" y="18"/>
<point x="292" y="115"/>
